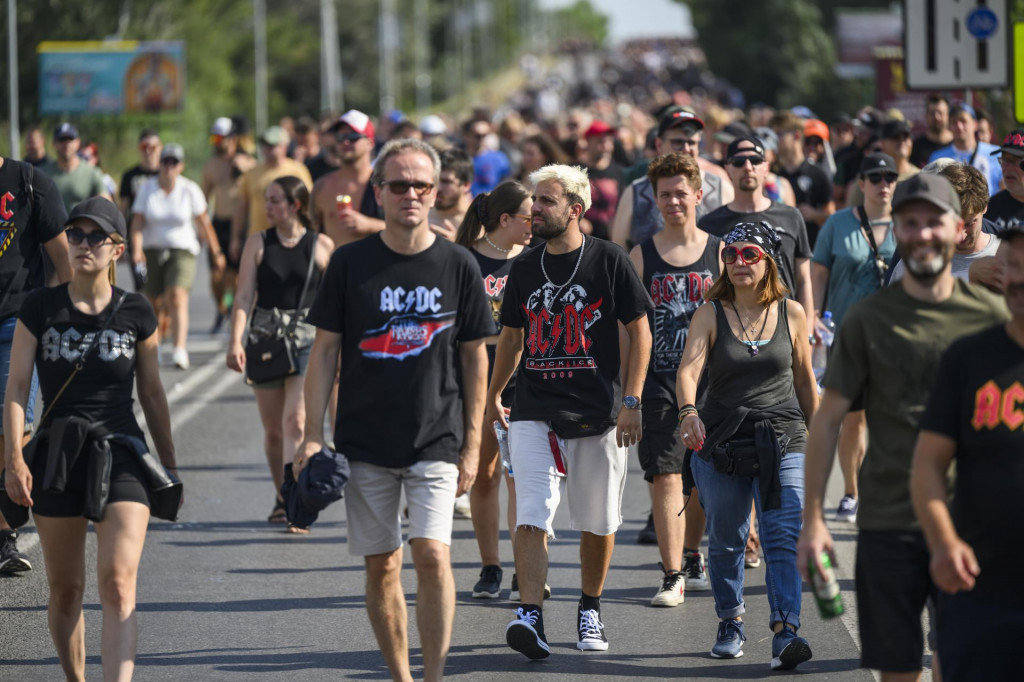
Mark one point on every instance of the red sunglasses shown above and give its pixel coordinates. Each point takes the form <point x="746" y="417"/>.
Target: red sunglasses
<point x="748" y="255"/>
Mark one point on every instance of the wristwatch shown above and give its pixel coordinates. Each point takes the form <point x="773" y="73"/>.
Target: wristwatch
<point x="631" y="402"/>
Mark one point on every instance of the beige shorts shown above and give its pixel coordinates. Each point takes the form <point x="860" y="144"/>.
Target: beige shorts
<point x="373" y="504"/>
<point x="167" y="268"/>
<point x="594" y="478"/>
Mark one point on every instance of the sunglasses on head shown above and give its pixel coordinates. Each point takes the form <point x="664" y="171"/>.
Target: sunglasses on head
<point x="748" y="255"/>
<point x="877" y="178"/>
<point x="741" y="161"/>
<point x="77" y="235"/>
<point x="348" y="137"/>
<point x="401" y="187"/>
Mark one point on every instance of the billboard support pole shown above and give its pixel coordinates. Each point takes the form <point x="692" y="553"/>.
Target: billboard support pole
<point x="259" y="11"/>
<point x="12" y="73"/>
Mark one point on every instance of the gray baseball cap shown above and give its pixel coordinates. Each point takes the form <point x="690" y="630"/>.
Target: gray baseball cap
<point x="934" y="189"/>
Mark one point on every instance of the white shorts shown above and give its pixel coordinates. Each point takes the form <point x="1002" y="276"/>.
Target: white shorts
<point x="373" y="496"/>
<point x="594" y="478"/>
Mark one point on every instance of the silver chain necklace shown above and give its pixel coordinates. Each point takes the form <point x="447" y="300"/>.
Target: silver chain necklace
<point x="496" y="247"/>
<point x="579" y="259"/>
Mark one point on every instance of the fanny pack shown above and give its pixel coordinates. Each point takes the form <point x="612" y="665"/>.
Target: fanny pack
<point x="737" y="458"/>
<point x="574" y="428"/>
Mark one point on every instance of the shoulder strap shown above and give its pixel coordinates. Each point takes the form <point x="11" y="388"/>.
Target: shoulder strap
<point x="880" y="265"/>
<point x="309" y="272"/>
<point x="83" y="353"/>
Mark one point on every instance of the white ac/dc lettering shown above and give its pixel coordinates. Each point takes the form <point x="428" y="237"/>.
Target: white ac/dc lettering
<point x="420" y="300"/>
<point x="68" y="345"/>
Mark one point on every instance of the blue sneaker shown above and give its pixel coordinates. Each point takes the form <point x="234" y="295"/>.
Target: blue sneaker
<point x="730" y="639"/>
<point x="789" y="650"/>
<point x="847" y="512"/>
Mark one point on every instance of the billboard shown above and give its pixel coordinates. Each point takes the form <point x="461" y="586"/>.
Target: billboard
<point x="111" y="77"/>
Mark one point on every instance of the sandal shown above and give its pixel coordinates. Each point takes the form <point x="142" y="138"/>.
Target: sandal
<point x="297" y="530"/>
<point x="279" y="514"/>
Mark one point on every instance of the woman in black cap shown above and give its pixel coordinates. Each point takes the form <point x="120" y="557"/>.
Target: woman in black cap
<point x="749" y="439"/>
<point x="89" y="341"/>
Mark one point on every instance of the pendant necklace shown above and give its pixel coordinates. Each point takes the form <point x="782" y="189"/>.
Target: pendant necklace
<point x="749" y="343"/>
<point x="558" y="289"/>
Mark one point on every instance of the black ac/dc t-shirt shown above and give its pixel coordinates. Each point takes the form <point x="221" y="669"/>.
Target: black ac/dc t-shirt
<point x="570" y="363"/>
<point x="130" y="183"/>
<point x="495" y="275"/>
<point x="401" y="319"/>
<point x="24" y="226"/>
<point x="1005" y="211"/>
<point x="978" y="401"/>
<point x="102" y="391"/>
<point x="786" y="220"/>
<point x="812" y="186"/>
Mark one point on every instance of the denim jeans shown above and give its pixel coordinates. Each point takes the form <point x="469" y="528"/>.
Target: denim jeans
<point x="726" y="501"/>
<point x="6" y="340"/>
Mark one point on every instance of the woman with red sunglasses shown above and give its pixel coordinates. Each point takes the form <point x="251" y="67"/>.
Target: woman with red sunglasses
<point x="750" y="437"/>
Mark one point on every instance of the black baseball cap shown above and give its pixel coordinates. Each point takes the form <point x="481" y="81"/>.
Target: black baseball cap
<point x="934" y="189"/>
<point x="734" y="146"/>
<point x="101" y="211"/>
<point x="877" y="163"/>
<point x="65" y="131"/>
<point x="732" y="131"/>
<point x="678" y="116"/>
<point x="894" y="129"/>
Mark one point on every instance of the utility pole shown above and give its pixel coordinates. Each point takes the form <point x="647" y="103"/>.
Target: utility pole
<point x="388" y="54"/>
<point x="12" y="73"/>
<point x="332" y="95"/>
<point x="259" y="25"/>
<point x="421" y="34"/>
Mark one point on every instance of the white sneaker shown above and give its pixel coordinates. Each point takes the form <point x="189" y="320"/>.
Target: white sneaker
<point x="462" y="509"/>
<point x="180" y="357"/>
<point x="671" y="592"/>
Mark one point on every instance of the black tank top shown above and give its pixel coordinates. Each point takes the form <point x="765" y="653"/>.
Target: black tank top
<point x="677" y="292"/>
<point x="761" y="381"/>
<point x="282" y="272"/>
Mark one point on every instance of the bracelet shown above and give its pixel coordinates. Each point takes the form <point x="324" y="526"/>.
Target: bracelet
<point x="685" y="412"/>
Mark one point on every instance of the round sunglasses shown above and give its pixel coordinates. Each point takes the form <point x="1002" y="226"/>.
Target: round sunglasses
<point x="748" y="255"/>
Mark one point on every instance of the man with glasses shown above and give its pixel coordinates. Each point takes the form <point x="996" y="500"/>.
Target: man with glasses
<point x="75" y="180"/>
<point x="402" y="307"/>
<point x="811" y="184"/>
<point x="343" y="204"/>
<point x="250" y="209"/>
<point x="965" y="147"/>
<point x="32" y="218"/>
<point x="1006" y="208"/>
<point x="637" y="217"/>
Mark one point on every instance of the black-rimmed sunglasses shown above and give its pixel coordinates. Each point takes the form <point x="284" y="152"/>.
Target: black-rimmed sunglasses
<point x="401" y="187"/>
<point x="77" y="235"/>
<point x="741" y="161"/>
<point x="877" y="178"/>
<point x="348" y="137"/>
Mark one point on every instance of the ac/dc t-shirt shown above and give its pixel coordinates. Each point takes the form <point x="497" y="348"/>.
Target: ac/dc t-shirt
<point x="102" y="391"/>
<point x="25" y="224"/>
<point x="401" y="318"/>
<point x="495" y="274"/>
<point x="812" y="186"/>
<point x="978" y="401"/>
<point x="677" y="292"/>
<point x="570" y="363"/>
<point x="1005" y="211"/>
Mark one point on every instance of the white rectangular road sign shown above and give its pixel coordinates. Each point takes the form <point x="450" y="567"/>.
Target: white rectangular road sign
<point x="955" y="44"/>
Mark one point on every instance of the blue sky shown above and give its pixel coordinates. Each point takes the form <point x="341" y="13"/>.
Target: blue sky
<point x="639" y="19"/>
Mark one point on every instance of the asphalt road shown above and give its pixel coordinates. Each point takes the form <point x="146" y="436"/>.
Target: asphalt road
<point x="225" y="596"/>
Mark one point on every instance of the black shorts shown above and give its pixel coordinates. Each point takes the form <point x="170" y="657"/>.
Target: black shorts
<point x="893" y="588"/>
<point x="978" y="640"/>
<point x="661" y="451"/>
<point x="127" y="484"/>
<point x="222" y="228"/>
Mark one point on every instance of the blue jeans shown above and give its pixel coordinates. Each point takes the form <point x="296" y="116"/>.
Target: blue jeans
<point x="6" y="339"/>
<point x="726" y="501"/>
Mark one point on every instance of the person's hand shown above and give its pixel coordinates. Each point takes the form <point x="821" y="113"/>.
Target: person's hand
<point x="989" y="272"/>
<point x="629" y="427"/>
<point x="818" y="330"/>
<point x="220" y="263"/>
<point x="447" y="229"/>
<point x="469" y="460"/>
<point x="236" y="357"/>
<point x="19" y="483"/>
<point x="139" y="258"/>
<point x="692" y="432"/>
<point x="349" y="218"/>
<point x="494" y="412"/>
<point x="814" y="539"/>
<point x="235" y="248"/>
<point x="954" y="567"/>
<point x="306" y="450"/>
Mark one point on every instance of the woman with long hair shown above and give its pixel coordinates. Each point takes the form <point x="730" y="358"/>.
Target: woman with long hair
<point x="748" y="441"/>
<point x="538" y="151"/>
<point x="496" y="229"/>
<point x="272" y="273"/>
<point x="90" y="341"/>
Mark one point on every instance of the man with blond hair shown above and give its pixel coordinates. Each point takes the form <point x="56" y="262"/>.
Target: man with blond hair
<point x="571" y="420"/>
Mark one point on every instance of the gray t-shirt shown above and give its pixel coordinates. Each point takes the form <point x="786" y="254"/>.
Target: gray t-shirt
<point x="961" y="261"/>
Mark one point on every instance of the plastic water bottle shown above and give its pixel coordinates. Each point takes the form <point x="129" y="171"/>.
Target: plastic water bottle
<point x="819" y="357"/>
<point x="506" y="455"/>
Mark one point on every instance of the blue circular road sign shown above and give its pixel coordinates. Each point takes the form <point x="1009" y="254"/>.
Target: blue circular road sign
<point x="982" y="23"/>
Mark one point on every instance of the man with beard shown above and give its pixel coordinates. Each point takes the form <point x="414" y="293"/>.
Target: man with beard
<point x="1006" y="208"/>
<point x="75" y="180"/>
<point x="453" y="193"/>
<point x="886" y="351"/>
<point x="606" y="177"/>
<point x="569" y="431"/>
<point x="220" y="186"/>
<point x="974" y="414"/>
<point x="343" y="203"/>
<point x="937" y="134"/>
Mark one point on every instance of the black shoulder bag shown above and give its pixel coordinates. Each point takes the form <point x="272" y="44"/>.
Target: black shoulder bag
<point x="880" y="265"/>
<point x="268" y="358"/>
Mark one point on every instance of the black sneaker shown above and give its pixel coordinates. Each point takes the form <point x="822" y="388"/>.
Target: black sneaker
<point x="648" y="536"/>
<point x="591" y="630"/>
<point x="525" y="633"/>
<point x="696" y="572"/>
<point x="489" y="585"/>
<point x="513" y="594"/>
<point x="11" y="560"/>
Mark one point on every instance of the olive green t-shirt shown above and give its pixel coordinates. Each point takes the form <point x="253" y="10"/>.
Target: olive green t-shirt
<point x="77" y="185"/>
<point x="887" y="349"/>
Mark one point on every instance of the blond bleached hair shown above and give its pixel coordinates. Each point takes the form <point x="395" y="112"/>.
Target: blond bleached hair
<point x="574" y="181"/>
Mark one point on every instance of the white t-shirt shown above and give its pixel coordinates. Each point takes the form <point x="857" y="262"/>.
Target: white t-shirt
<point x="961" y="261"/>
<point x="170" y="216"/>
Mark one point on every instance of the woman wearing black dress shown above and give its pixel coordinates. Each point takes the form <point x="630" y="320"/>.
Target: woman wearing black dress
<point x="110" y="336"/>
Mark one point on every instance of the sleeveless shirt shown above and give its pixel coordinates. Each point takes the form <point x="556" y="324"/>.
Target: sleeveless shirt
<point x="282" y="272"/>
<point x="647" y="220"/>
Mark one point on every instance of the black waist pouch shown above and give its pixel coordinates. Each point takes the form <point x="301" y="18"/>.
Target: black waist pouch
<point x="573" y="428"/>
<point x="737" y="458"/>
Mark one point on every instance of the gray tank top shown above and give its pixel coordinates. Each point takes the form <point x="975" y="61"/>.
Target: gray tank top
<point x="647" y="220"/>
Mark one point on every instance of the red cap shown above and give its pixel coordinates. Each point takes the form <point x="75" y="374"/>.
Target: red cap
<point x="815" y="128"/>
<point x="598" y="128"/>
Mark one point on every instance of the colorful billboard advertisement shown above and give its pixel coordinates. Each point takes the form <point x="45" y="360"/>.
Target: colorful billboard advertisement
<point x="111" y="77"/>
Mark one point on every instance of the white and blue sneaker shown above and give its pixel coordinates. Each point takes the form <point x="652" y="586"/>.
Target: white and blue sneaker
<point x="525" y="633"/>
<point x="591" y="630"/>
<point x="789" y="650"/>
<point x="847" y="512"/>
<point x="729" y="643"/>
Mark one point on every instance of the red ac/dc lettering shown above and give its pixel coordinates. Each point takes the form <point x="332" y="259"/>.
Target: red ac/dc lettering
<point x="691" y="285"/>
<point x="564" y="332"/>
<point x="494" y="285"/>
<point x="994" y="406"/>
<point x="5" y="212"/>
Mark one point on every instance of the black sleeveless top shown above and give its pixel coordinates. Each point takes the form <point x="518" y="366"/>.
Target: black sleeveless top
<point x="495" y="274"/>
<point x="677" y="292"/>
<point x="282" y="272"/>
<point x="758" y="382"/>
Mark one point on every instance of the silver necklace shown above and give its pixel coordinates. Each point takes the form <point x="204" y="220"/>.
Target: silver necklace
<point x="751" y="344"/>
<point x="496" y="247"/>
<point x="558" y="290"/>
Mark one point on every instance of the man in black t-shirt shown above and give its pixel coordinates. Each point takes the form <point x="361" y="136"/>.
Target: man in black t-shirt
<point x="150" y="147"/>
<point x="937" y="135"/>
<point x="606" y="177"/>
<point x="811" y="184"/>
<point x="403" y="308"/>
<point x="570" y="424"/>
<point x="1006" y="208"/>
<point x="32" y="219"/>
<point x="976" y="414"/>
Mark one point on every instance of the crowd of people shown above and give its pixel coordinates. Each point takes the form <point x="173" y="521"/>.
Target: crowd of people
<point x="530" y="293"/>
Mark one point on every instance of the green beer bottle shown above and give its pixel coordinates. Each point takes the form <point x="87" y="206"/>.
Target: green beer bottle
<point x="826" y="588"/>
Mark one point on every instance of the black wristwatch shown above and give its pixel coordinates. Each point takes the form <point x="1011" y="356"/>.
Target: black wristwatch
<point x="631" y="402"/>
